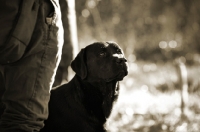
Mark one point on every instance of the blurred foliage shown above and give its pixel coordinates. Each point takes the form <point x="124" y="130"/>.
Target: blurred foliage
<point x="155" y="30"/>
<point x="150" y="100"/>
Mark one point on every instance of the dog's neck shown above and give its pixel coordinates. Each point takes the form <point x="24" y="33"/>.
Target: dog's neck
<point x="101" y="96"/>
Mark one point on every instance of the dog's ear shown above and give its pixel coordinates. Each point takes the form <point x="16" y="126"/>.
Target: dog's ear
<point x="79" y="64"/>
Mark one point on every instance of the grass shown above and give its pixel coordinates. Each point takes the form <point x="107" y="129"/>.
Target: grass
<point x="150" y="100"/>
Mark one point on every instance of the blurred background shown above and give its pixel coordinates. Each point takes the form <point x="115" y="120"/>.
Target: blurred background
<point x="161" y="41"/>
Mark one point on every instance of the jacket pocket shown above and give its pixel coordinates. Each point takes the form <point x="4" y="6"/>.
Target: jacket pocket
<point x="20" y="35"/>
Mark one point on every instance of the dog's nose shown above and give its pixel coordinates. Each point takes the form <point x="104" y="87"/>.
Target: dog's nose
<point x="120" y="60"/>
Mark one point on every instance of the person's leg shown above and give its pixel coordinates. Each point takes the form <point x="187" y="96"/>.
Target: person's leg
<point x="29" y="80"/>
<point x="2" y="89"/>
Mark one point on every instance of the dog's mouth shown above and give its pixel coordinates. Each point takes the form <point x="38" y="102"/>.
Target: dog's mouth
<point x="121" y="75"/>
<point x="118" y="77"/>
<point x="124" y="72"/>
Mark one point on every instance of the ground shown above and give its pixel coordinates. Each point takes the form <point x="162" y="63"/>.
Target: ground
<point x="150" y="100"/>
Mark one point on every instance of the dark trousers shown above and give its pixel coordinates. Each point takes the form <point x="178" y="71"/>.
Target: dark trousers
<point x="25" y="83"/>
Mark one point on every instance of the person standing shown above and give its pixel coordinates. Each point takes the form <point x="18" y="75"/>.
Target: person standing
<point x="31" y="41"/>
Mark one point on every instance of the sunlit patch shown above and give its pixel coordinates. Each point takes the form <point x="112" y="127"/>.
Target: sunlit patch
<point x="106" y="44"/>
<point x="125" y="119"/>
<point x="129" y="111"/>
<point x="177" y="111"/>
<point x="164" y="127"/>
<point x="149" y="67"/>
<point x="111" y="42"/>
<point x="129" y="82"/>
<point x="133" y="67"/>
<point x="145" y="88"/>
<point x="182" y="127"/>
<point x="150" y="110"/>
<point x="118" y="55"/>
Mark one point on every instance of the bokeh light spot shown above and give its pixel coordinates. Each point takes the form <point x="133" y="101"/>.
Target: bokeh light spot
<point x="164" y="127"/>
<point x="163" y="44"/>
<point x="91" y="4"/>
<point x="85" y="13"/>
<point x="129" y="82"/>
<point x="145" y="88"/>
<point x="115" y="19"/>
<point x="131" y="58"/>
<point x="129" y="111"/>
<point x="172" y="44"/>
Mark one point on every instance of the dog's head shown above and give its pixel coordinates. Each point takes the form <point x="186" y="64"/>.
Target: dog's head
<point x="101" y="61"/>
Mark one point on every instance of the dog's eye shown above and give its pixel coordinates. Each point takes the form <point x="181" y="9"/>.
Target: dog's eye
<point x="119" y="51"/>
<point x="102" y="54"/>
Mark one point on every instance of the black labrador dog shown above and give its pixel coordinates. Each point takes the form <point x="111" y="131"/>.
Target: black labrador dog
<point x="84" y="104"/>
